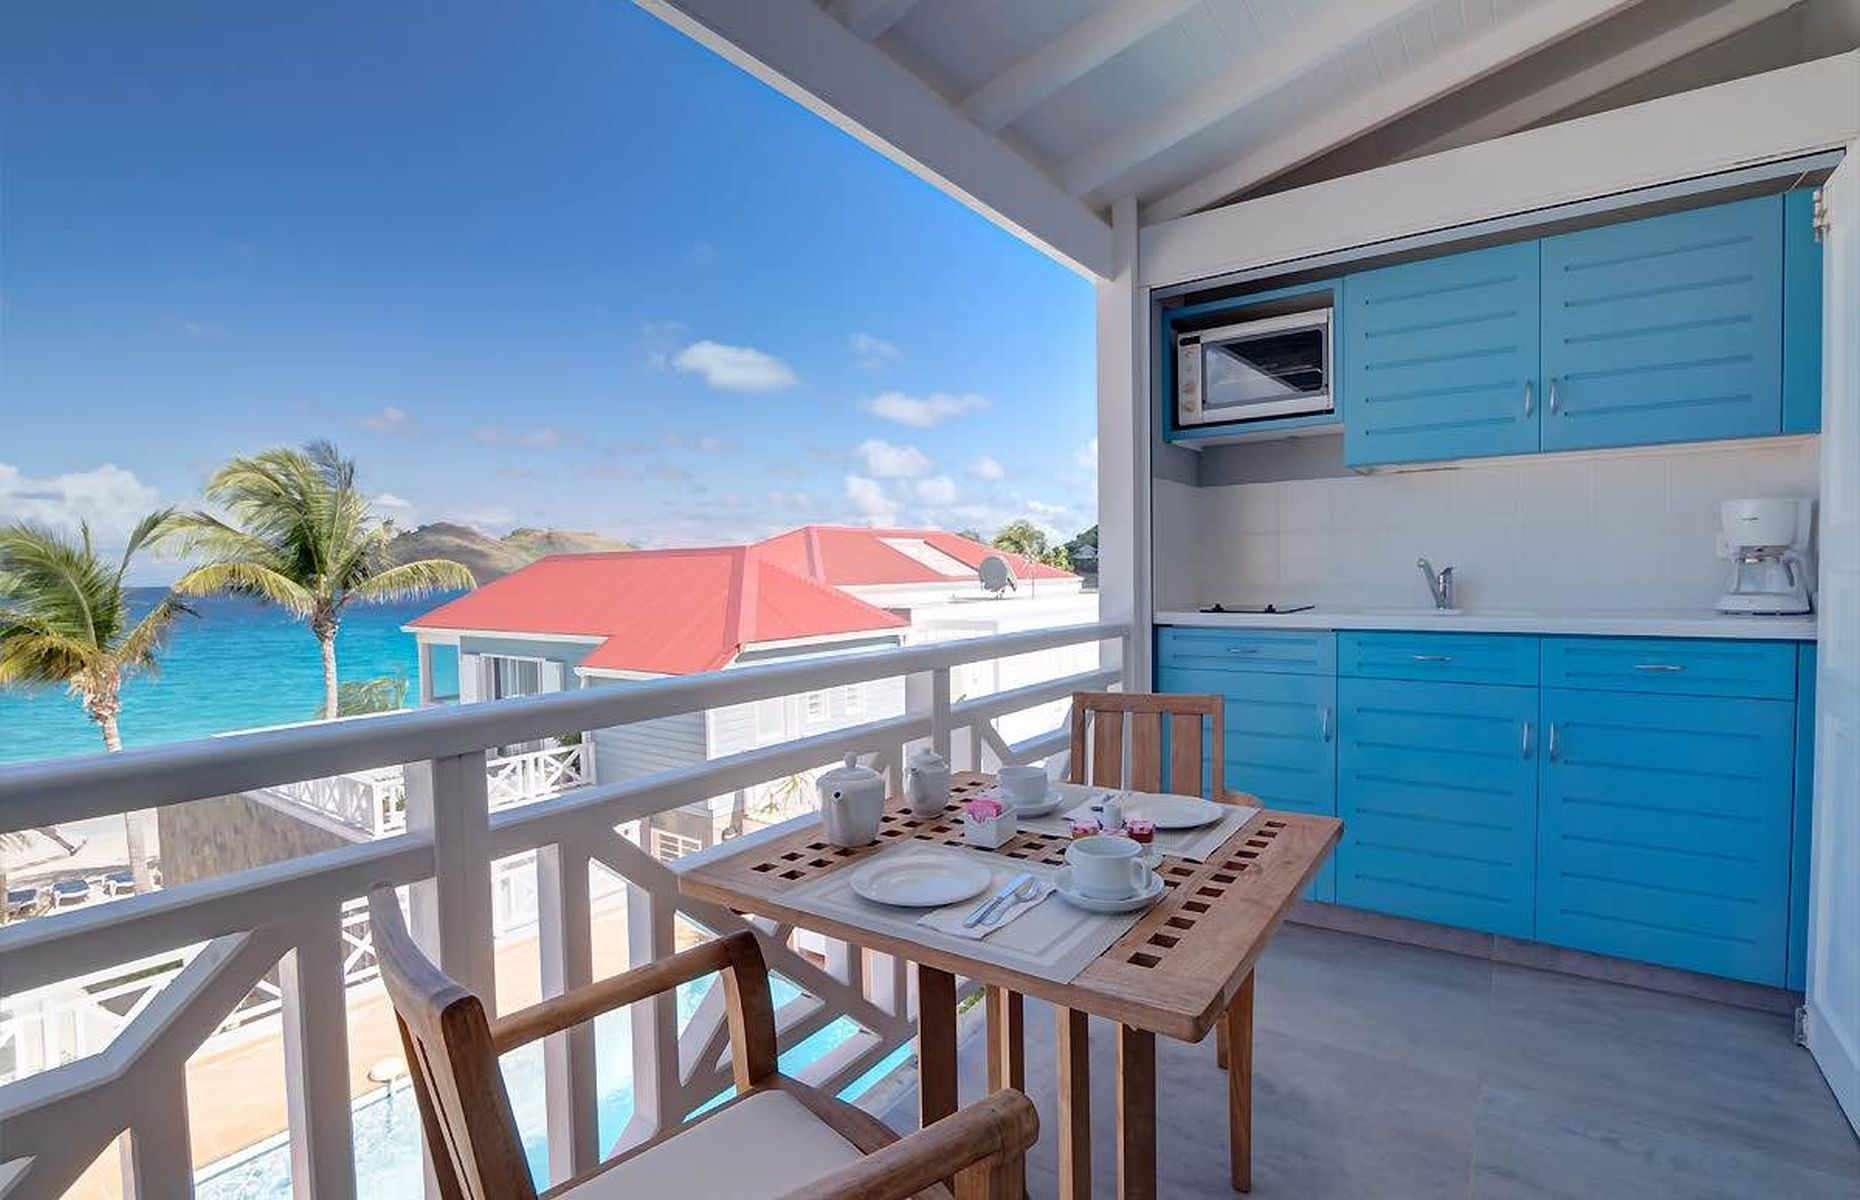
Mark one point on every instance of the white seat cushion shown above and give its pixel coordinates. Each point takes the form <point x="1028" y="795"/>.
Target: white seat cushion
<point x="756" y="1148"/>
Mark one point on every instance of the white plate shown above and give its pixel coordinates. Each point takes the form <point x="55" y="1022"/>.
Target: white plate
<point x="1062" y="883"/>
<point x="1173" y="812"/>
<point x="920" y="881"/>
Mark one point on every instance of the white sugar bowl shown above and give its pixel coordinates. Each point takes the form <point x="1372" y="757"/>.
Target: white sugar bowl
<point x="852" y="803"/>
<point x="926" y="783"/>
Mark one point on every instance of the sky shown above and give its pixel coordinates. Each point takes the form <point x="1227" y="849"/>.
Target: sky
<point x="544" y="263"/>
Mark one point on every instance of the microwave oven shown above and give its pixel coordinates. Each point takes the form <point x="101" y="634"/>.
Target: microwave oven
<point x="1254" y="370"/>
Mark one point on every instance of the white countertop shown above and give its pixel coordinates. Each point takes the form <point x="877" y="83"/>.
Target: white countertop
<point x="1686" y="623"/>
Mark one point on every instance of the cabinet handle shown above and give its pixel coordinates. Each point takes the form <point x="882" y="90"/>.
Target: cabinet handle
<point x="1530" y="398"/>
<point x="1324" y="719"/>
<point x="1243" y="649"/>
<point x="1658" y="667"/>
<point x="1432" y="657"/>
<point x="1556" y="403"/>
<point x="1554" y="750"/>
<point x="1525" y="748"/>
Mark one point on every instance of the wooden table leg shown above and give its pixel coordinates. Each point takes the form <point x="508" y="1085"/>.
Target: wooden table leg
<point x="1239" y="1026"/>
<point x="1136" y="1114"/>
<point x="1074" y="1104"/>
<point x="1007" y="1042"/>
<point x="936" y="1044"/>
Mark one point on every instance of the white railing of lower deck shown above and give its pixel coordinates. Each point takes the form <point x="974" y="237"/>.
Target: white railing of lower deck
<point x="374" y="801"/>
<point x="290" y="916"/>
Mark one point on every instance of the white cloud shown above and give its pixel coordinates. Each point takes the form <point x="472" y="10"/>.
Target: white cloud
<point x="938" y="489"/>
<point x="390" y="500"/>
<point x="869" y="499"/>
<point x="987" y="468"/>
<point x="1044" y="509"/>
<point x="1088" y="455"/>
<point x="109" y="497"/>
<point x="388" y="420"/>
<point x="872" y="351"/>
<point x="921" y="412"/>
<point x="887" y="461"/>
<point x="488" y="520"/>
<point x="545" y="438"/>
<point x="735" y="368"/>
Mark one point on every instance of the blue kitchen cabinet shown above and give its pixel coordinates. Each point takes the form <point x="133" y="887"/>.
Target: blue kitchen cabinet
<point x="1436" y="785"/>
<point x="1451" y="657"/>
<point x="1667" y="329"/>
<point x="1672" y="666"/>
<point x="1280" y="731"/>
<point x="1801" y="379"/>
<point x="1802" y="822"/>
<point x="1664" y="827"/>
<point x="1440" y="358"/>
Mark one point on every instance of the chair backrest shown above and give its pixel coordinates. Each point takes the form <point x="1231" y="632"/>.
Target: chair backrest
<point x="1099" y="739"/>
<point x="471" y="1135"/>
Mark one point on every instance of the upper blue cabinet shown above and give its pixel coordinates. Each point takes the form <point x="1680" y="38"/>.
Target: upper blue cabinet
<point x="1666" y="329"/>
<point x="1801" y="373"/>
<point x="1440" y="358"/>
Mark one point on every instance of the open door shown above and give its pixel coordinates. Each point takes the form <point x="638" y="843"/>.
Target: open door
<point x="1833" y="1001"/>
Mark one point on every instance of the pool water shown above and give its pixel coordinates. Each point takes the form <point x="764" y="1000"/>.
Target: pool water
<point x="386" y="1123"/>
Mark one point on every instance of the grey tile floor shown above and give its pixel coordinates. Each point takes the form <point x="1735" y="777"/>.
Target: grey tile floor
<point x="1391" y="1071"/>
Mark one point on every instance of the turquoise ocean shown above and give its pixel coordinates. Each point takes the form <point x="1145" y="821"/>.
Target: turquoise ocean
<point x="238" y="664"/>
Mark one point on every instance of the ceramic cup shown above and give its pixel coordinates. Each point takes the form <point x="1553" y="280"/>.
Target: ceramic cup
<point x="1108" y="868"/>
<point x="1025" y="786"/>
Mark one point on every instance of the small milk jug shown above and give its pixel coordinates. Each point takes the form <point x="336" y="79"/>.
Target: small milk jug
<point x="926" y="783"/>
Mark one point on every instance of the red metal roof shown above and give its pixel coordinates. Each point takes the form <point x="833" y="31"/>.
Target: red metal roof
<point x="854" y="556"/>
<point x="674" y="612"/>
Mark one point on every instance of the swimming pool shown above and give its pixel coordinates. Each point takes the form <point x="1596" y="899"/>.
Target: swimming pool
<point x="386" y="1123"/>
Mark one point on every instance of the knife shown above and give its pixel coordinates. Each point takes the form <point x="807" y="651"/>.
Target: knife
<point x="981" y="914"/>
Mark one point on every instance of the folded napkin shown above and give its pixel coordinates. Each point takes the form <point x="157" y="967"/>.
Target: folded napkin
<point x="949" y="918"/>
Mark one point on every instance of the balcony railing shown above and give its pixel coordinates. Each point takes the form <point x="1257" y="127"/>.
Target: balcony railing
<point x="374" y="801"/>
<point x="292" y="920"/>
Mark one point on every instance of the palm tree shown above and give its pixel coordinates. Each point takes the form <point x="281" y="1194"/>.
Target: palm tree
<point x="65" y="618"/>
<point x="302" y="537"/>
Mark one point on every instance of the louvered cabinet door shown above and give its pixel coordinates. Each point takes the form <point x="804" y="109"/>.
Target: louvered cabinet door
<point x="1667" y="329"/>
<point x="1440" y="358"/>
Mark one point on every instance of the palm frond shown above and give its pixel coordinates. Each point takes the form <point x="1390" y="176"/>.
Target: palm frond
<point x="33" y="653"/>
<point x="422" y="577"/>
<point x="149" y="529"/>
<point x="58" y="582"/>
<point x="139" y="646"/>
<point x="248" y="579"/>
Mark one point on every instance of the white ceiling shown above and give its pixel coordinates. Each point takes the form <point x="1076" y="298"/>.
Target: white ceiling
<point x="1066" y="107"/>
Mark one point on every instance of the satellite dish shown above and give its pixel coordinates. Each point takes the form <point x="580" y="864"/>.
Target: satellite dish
<point x="996" y="576"/>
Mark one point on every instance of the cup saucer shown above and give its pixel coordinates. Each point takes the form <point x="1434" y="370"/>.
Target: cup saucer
<point x="1068" y="891"/>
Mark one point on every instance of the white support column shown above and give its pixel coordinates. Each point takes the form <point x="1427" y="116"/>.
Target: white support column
<point x="471" y="677"/>
<point x="939" y="711"/>
<point x="1123" y="447"/>
<point x="316" y="1062"/>
<point x="567" y="960"/>
<point x="446" y="798"/>
<point x="425" y="650"/>
<point x="157" y="1150"/>
<point x="654" y="1021"/>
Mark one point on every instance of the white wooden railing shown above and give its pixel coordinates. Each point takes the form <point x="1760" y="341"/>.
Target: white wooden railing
<point x="374" y="801"/>
<point x="288" y="918"/>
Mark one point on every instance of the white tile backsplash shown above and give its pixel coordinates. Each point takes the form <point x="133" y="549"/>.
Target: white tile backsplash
<point x="1631" y="530"/>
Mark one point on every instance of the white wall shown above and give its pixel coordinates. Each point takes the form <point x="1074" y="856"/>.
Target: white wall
<point x="1622" y="530"/>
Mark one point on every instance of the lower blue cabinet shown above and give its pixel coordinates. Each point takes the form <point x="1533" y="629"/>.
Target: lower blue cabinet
<point x="1278" y="730"/>
<point x="1436" y="785"/>
<point x="1664" y="829"/>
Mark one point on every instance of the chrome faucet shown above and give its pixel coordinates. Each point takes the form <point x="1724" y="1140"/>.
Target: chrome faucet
<point x="1439" y="583"/>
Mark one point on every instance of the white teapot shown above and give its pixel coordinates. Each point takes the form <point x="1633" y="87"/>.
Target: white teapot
<point x="926" y="783"/>
<point x="852" y="803"/>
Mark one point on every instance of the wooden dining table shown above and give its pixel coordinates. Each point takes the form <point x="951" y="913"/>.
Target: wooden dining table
<point x="1186" y="965"/>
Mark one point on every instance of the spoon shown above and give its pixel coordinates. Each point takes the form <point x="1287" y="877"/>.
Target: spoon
<point x="1029" y="888"/>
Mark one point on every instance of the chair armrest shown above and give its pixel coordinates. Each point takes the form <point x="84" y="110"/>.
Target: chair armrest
<point x="988" y="1139"/>
<point x="746" y="984"/>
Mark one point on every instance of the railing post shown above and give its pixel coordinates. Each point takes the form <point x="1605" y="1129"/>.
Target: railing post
<point x="939" y="711"/>
<point x="649" y="938"/>
<point x="157" y="1150"/>
<point x="316" y="1061"/>
<point x="447" y="799"/>
<point x="567" y="958"/>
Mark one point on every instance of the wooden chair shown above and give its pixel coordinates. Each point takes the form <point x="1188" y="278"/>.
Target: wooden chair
<point x="777" y="1137"/>
<point x="1098" y="743"/>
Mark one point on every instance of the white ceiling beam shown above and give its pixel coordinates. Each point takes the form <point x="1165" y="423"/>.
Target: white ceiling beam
<point x="1336" y="29"/>
<point x="1630" y="62"/>
<point x="1470" y="60"/>
<point x="803" y="53"/>
<point x="1100" y="37"/>
<point x="870" y="18"/>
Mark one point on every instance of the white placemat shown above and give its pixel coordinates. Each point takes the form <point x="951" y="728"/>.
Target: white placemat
<point x="1051" y="940"/>
<point x="1076" y="799"/>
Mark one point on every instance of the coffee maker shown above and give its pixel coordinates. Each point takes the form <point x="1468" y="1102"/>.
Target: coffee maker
<point x="1766" y="540"/>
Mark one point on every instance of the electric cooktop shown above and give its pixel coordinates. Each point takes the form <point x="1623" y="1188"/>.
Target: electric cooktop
<point x="1254" y="609"/>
